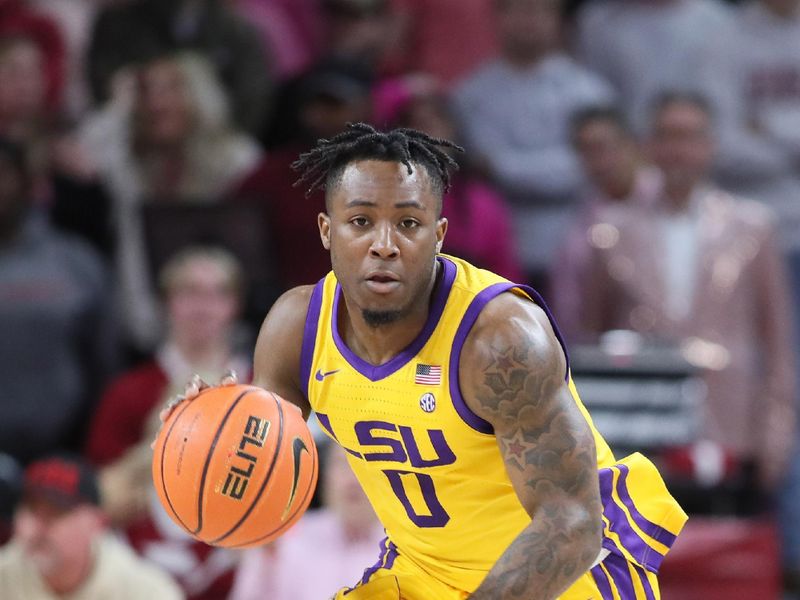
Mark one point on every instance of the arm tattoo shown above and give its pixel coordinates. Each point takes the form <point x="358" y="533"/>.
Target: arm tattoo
<point x="550" y="457"/>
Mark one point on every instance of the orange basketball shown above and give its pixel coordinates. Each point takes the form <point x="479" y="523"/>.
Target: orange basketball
<point x="236" y="466"/>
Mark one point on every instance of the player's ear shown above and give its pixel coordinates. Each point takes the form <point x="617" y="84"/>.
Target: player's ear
<point x="324" y="223"/>
<point x="441" y="231"/>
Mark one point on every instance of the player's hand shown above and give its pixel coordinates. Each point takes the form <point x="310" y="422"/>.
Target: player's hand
<point x="190" y="392"/>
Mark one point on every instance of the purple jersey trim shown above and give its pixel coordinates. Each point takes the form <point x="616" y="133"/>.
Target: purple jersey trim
<point x="646" y="585"/>
<point x="385" y="561"/>
<point x="468" y="320"/>
<point x="601" y="581"/>
<point x="654" y="531"/>
<point x="310" y="335"/>
<point x="539" y="301"/>
<point x="618" y="523"/>
<point x="376" y="373"/>
<point x="380" y="562"/>
<point x="617" y="568"/>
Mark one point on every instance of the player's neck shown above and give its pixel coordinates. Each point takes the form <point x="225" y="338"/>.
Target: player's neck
<point x="377" y="345"/>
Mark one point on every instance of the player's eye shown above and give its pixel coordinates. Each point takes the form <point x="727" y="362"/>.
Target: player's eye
<point x="409" y="223"/>
<point x="359" y="221"/>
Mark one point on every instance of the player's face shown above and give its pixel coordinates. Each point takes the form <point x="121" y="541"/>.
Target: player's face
<point x="382" y="230"/>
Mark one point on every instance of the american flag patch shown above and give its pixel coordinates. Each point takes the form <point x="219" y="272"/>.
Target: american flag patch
<point x="428" y="374"/>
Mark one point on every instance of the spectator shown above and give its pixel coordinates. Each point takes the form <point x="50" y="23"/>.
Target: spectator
<point x="446" y="38"/>
<point x="61" y="547"/>
<point x="365" y="31"/>
<point x="331" y="95"/>
<point x="617" y="178"/>
<point x="74" y="19"/>
<point x="171" y="142"/>
<point x="515" y="113"/>
<point x="24" y="115"/>
<point x="345" y="526"/>
<point x="58" y="344"/>
<point x="644" y="47"/>
<point x="788" y="530"/>
<point x="18" y="20"/>
<point x="753" y="82"/>
<point x="702" y="269"/>
<point x="10" y="488"/>
<point x="202" y="291"/>
<point x="357" y="36"/>
<point x="291" y="29"/>
<point x="478" y="220"/>
<point x="63" y="180"/>
<point x="127" y="34"/>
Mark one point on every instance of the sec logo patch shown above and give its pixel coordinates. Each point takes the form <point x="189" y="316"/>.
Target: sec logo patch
<point x="427" y="402"/>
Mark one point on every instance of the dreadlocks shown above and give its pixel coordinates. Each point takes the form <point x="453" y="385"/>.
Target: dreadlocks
<point x="322" y="166"/>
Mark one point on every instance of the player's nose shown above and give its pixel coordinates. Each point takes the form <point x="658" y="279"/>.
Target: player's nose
<point x="384" y="244"/>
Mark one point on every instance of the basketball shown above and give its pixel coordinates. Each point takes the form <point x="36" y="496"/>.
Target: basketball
<point x="236" y="466"/>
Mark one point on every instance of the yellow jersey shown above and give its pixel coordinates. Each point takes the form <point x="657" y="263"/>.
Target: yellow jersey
<point x="430" y="467"/>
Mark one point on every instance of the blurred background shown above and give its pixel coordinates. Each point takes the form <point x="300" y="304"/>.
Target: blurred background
<point x="636" y="161"/>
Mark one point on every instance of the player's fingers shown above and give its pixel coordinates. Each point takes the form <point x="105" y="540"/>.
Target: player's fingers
<point x="194" y="387"/>
<point x="165" y="412"/>
<point x="229" y="378"/>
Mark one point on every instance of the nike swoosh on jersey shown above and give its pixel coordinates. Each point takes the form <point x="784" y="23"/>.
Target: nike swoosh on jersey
<point x="319" y="375"/>
<point x="298" y="446"/>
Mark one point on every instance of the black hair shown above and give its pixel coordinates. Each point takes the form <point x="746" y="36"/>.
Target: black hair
<point x="323" y="165"/>
<point x="600" y="113"/>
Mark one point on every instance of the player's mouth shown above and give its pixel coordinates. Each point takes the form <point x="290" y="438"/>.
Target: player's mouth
<point x="382" y="282"/>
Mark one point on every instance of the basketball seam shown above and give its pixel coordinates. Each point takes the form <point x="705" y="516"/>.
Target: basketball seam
<point x="267" y="478"/>
<point x="208" y="460"/>
<point x="300" y="507"/>
<point x="163" y="481"/>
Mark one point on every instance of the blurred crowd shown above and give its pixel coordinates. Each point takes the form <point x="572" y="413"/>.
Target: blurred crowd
<point x="636" y="161"/>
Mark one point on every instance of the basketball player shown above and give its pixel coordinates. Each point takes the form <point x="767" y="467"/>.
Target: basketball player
<point x="449" y="388"/>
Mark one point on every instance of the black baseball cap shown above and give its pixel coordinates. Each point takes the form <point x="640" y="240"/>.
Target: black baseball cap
<point x="63" y="482"/>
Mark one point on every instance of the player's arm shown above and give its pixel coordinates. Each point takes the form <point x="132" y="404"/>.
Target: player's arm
<point x="512" y="374"/>
<point x="276" y="360"/>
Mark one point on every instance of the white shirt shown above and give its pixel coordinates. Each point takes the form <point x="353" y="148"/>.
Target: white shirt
<point x="118" y="574"/>
<point x="680" y="244"/>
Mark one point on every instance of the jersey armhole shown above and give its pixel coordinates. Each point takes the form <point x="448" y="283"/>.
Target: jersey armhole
<point x="310" y="336"/>
<point x="468" y="320"/>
